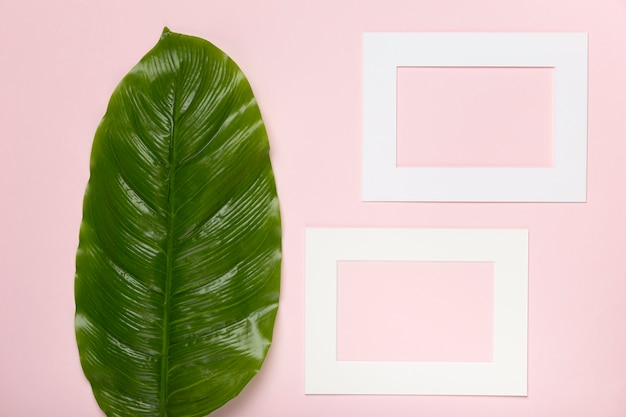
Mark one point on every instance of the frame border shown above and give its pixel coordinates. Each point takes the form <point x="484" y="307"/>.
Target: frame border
<point x="565" y="181"/>
<point x="505" y="375"/>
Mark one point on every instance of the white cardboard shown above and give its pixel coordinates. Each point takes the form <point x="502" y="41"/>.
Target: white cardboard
<point x="506" y="375"/>
<point x="565" y="181"/>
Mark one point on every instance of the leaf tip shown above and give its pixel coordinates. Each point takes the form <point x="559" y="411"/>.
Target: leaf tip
<point x="166" y="32"/>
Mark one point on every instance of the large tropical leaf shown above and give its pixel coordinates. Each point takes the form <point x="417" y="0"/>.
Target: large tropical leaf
<point x="178" y="266"/>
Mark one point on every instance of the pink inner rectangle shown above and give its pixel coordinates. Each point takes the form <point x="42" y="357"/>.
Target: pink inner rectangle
<point x="475" y="117"/>
<point x="415" y="311"/>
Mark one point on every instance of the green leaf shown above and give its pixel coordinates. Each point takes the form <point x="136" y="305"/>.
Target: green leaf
<point x="178" y="265"/>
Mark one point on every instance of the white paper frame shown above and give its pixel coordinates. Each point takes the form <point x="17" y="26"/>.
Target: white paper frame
<point x="565" y="181"/>
<point x="505" y="375"/>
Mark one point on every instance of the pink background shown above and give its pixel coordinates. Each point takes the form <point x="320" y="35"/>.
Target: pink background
<point x="415" y="311"/>
<point x="59" y="62"/>
<point x="444" y="115"/>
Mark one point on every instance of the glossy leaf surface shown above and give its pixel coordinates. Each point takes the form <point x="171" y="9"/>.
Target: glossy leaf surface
<point x="178" y="265"/>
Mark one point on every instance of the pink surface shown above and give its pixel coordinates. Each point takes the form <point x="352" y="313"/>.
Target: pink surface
<point x="59" y="62"/>
<point x="468" y="117"/>
<point x="415" y="311"/>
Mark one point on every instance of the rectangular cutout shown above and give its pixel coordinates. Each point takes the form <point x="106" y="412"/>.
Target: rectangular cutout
<point x="475" y="117"/>
<point x="415" y="311"/>
<point x="504" y="375"/>
<point x="564" y="181"/>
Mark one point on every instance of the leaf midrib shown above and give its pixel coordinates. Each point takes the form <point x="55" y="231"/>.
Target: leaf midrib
<point x="168" y="268"/>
